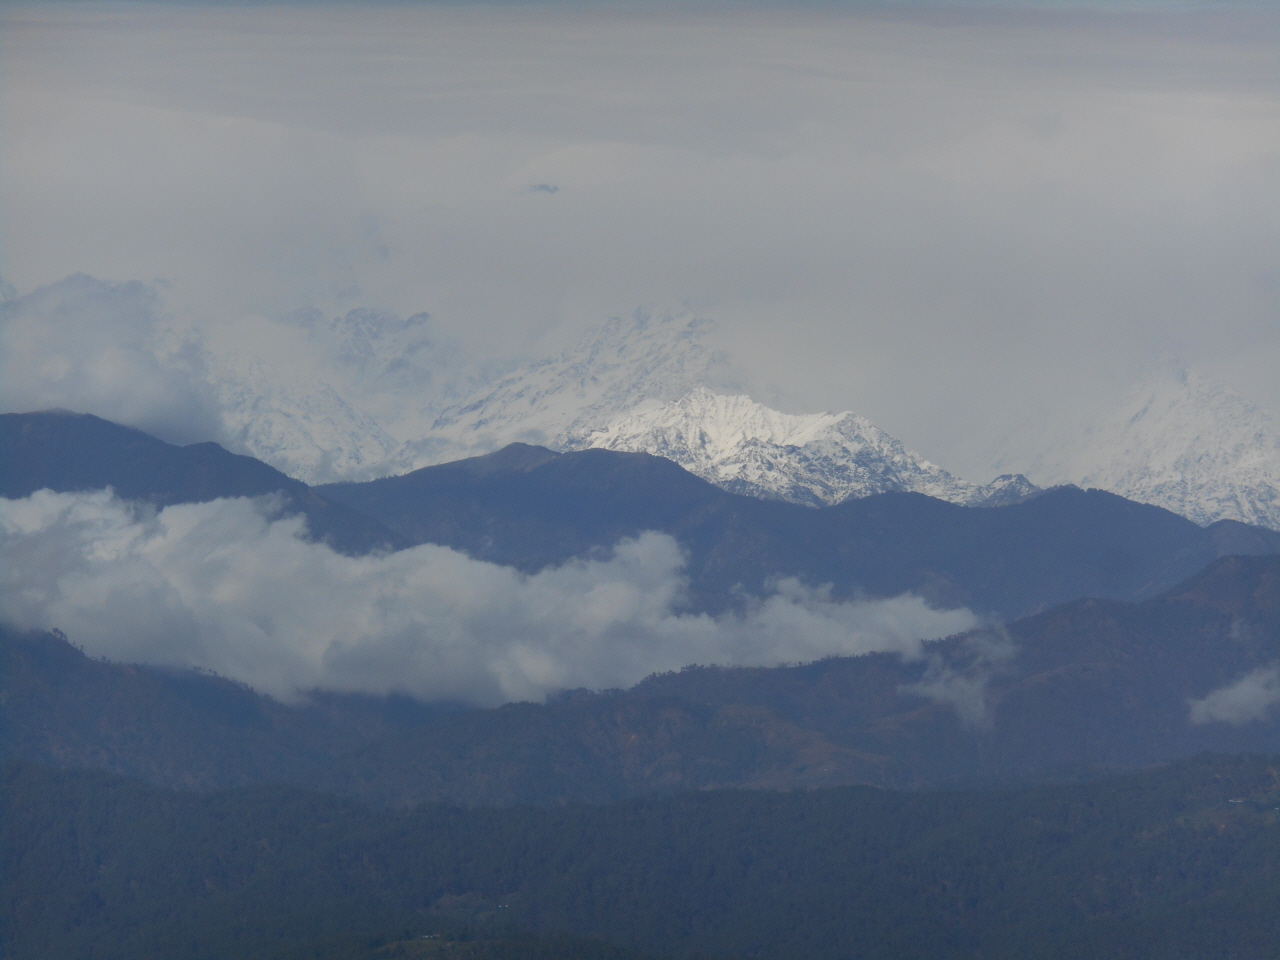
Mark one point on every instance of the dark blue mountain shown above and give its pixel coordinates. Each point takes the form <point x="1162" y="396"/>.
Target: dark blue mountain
<point x="529" y="507"/>
<point x="69" y="452"/>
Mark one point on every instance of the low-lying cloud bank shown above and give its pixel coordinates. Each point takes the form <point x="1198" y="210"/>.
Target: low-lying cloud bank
<point x="1250" y="699"/>
<point x="230" y="586"/>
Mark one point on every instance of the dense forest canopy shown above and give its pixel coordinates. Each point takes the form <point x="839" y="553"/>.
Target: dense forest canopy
<point x="1178" y="861"/>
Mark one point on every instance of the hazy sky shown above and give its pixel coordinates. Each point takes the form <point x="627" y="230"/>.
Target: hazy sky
<point x="953" y="219"/>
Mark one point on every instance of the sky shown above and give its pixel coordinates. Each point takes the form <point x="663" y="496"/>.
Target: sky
<point x="971" y="223"/>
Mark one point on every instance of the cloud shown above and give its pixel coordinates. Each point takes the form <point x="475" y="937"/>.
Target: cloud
<point x="959" y="675"/>
<point x="932" y="215"/>
<point x="1248" y="700"/>
<point x="228" y="586"/>
<point x="98" y="347"/>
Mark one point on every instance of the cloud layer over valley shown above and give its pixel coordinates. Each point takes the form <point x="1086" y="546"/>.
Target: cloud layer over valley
<point x="230" y="587"/>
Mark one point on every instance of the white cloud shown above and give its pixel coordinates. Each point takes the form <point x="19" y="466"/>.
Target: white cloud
<point x="960" y="679"/>
<point x="96" y="347"/>
<point x="929" y="214"/>
<point x="1249" y="699"/>
<point x="226" y="587"/>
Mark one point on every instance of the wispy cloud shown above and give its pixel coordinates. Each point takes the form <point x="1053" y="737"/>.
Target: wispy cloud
<point x="1248" y="700"/>
<point x="101" y="348"/>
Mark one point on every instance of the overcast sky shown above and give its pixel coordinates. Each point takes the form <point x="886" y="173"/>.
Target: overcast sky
<point x="954" y="220"/>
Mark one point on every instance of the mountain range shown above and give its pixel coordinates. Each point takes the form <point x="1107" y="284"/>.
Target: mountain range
<point x="818" y="460"/>
<point x="529" y="507"/>
<point x="653" y="383"/>
<point x="1185" y="443"/>
<point x="1110" y="647"/>
<point x="1119" y="636"/>
<point x="371" y="394"/>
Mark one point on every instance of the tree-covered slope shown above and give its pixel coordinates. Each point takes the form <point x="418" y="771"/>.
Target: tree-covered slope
<point x="1180" y="861"/>
<point x="1086" y="687"/>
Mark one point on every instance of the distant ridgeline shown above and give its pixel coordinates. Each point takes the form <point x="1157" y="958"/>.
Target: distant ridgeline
<point x="1135" y="652"/>
<point x="71" y="452"/>
<point x="529" y="507"/>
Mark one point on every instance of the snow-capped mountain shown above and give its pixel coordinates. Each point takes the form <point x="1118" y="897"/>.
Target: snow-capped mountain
<point x="645" y="383"/>
<point x="1184" y="443"/>
<point x="370" y="394"/>
<point x="332" y="398"/>
<point x="301" y="425"/>
<point x="649" y="384"/>
<point x="562" y="400"/>
<point x="817" y="460"/>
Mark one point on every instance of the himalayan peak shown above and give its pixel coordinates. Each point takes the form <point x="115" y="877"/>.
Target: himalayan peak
<point x="1185" y="443"/>
<point x="817" y="460"/>
<point x="654" y="383"/>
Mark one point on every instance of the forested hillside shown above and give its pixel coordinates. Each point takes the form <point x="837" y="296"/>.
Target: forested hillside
<point x="1084" y="688"/>
<point x="1176" y="862"/>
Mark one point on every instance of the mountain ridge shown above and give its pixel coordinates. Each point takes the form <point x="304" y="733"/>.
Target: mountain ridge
<point x="1082" y="688"/>
<point x="69" y="452"/>
<point x="817" y="460"/>
<point x="1007" y="560"/>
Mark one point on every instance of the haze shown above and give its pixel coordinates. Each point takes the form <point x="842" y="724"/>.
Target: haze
<point x="970" y="223"/>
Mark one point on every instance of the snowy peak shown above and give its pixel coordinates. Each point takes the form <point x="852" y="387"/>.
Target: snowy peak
<point x="653" y="384"/>
<point x="560" y="401"/>
<point x="300" y="425"/>
<point x="1187" y="444"/>
<point x="714" y="425"/>
<point x="816" y="460"/>
<point x="327" y="398"/>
